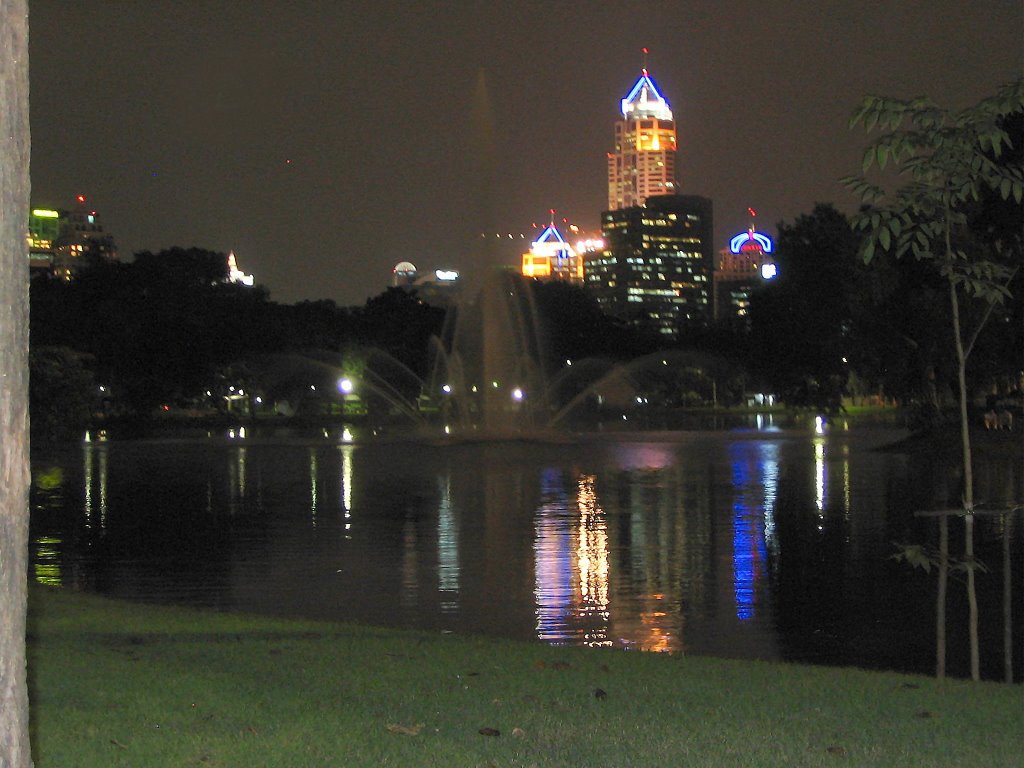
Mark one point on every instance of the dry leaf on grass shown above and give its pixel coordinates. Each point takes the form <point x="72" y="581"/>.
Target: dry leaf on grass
<point x="405" y="730"/>
<point x="489" y="732"/>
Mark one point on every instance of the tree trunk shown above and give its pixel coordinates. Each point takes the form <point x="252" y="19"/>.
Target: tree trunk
<point x="940" y="599"/>
<point x="14" y="473"/>
<point x="1007" y="600"/>
<point x="968" y="500"/>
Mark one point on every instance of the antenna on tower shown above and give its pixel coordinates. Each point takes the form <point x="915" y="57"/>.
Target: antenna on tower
<point x="552" y="212"/>
<point x="644" y="61"/>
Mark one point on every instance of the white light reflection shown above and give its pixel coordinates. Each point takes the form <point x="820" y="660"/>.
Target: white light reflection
<point x="447" y="549"/>
<point x="313" y="492"/>
<point x="846" y="482"/>
<point x="95" y="474"/>
<point x="820" y="481"/>
<point x="346" y="486"/>
<point x="770" y="478"/>
<point x="237" y="479"/>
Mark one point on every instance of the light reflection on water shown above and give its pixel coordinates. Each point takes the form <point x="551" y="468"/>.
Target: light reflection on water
<point x="769" y="545"/>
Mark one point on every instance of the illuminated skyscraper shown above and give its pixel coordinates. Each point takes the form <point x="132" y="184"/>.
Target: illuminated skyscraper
<point x="655" y="268"/>
<point x="644" y="160"/>
<point x="551" y="258"/>
<point x="81" y="237"/>
<point x="745" y="264"/>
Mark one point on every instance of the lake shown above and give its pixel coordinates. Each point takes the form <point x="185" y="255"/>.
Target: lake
<point x="750" y="543"/>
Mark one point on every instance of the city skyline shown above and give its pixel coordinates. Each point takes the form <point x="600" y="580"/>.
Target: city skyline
<point x="324" y="143"/>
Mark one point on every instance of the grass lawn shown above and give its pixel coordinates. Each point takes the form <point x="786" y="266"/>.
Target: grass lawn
<point x="117" y="684"/>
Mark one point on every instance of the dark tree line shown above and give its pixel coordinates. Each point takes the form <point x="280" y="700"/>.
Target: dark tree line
<point x="830" y="326"/>
<point x="168" y="327"/>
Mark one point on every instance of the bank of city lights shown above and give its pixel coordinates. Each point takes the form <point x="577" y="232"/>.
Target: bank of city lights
<point x="589" y="245"/>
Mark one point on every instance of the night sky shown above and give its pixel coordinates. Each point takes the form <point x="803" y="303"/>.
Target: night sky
<point x="326" y="141"/>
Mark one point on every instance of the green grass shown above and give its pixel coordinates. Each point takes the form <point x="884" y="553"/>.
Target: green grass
<point x="117" y="684"/>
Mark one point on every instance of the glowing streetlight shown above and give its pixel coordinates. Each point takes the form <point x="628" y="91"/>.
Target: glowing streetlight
<point x="518" y="395"/>
<point x="345" y="386"/>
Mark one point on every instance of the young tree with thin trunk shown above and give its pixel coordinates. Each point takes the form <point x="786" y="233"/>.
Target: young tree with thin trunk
<point x="14" y="471"/>
<point x="947" y="160"/>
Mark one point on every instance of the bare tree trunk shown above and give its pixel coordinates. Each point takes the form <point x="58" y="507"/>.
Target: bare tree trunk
<point x="968" y="500"/>
<point x="14" y="475"/>
<point x="1007" y="600"/>
<point x="940" y="599"/>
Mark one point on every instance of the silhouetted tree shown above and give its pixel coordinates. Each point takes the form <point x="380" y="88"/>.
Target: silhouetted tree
<point x="400" y="324"/>
<point x="62" y="392"/>
<point x="949" y="160"/>
<point x="802" y="322"/>
<point x="159" y="327"/>
<point x="575" y="327"/>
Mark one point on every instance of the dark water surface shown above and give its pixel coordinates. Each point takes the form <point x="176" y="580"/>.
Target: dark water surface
<point x="753" y="544"/>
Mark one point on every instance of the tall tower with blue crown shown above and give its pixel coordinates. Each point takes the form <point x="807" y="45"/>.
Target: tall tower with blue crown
<point x="643" y="163"/>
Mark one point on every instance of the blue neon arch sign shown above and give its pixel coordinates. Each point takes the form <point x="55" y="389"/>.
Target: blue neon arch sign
<point x="737" y="243"/>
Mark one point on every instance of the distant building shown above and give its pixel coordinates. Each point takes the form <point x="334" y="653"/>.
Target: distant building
<point x="438" y="288"/>
<point x="403" y="274"/>
<point x="643" y="163"/>
<point x="235" y="275"/>
<point x="81" y="238"/>
<point x="656" y="264"/>
<point x="43" y="231"/>
<point x="551" y="258"/>
<point x="744" y="265"/>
